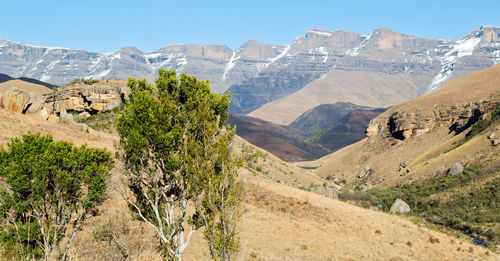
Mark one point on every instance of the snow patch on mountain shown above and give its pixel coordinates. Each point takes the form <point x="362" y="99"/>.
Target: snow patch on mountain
<point x="99" y="75"/>
<point x="152" y="55"/>
<point x="319" y="32"/>
<point x="231" y="63"/>
<point x="460" y="48"/>
<point x="355" y="51"/>
<point x="496" y="56"/>
<point x="282" y="54"/>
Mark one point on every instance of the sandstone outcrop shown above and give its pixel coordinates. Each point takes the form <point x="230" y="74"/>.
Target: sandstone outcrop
<point x="457" y="117"/>
<point x="57" y="105"/>
<point x="91" y="99"/>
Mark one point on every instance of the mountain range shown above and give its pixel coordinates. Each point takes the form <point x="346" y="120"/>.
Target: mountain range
<point x="278" y="83"/>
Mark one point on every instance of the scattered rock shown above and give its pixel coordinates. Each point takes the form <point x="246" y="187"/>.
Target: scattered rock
<point x="67" y="118"/>
<point x="365" y="186"/>
<point x="400" y="207"/>
<point x="365" y="172"/>
<point x="495" y="142"/>
<point x="335" y="186"/>
<point x="44" y="114"/>
<point x="455" y="169"/>
<point x="433" y="240"/>
<point x="84" y="114"/>
<point x="402" y="165"/>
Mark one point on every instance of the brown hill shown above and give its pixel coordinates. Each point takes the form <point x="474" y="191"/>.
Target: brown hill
<point x="284" y="142"/>
<point x="346" y="131"/>
<point x="430" y="136"/>
<point x="323" y="116"/>
<point x="279" y="222"/>
<point x="23" y="85"/>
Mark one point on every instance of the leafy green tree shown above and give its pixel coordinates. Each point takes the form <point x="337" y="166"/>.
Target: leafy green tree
<point x="176" y="151"/>
<point x="220" y="197"/>
<point x="48" y="184"/>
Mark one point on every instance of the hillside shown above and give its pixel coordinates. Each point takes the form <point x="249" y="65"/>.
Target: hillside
<point x="323" y="116"/>
<point x="23" y="83"/>
<point x="285" y="142"/>
<point x="279" y="222"/>
<point x="412" y="146"/>
<point x="345" y="131"/>
<point x="417" y="117"/>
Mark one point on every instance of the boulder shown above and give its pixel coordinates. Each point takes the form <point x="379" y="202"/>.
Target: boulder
<point x="491" y="136"/>
<point x="495" y="142"/>
<point x="44" y="114"/>
<point x="67" y="118"/>
<point x="365" y="172"/>
<point x="16" y="100"/>
<point x="455" y="169"/>
<point x="400" y="207"/>
<point x="36" y="104"/>
<point x="84" y="114"/>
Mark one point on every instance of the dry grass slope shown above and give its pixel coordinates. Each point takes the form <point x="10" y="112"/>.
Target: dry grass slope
<point x="279" y="222"/>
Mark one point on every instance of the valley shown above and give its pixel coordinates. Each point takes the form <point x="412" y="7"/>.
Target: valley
<point x="346" y="146"/>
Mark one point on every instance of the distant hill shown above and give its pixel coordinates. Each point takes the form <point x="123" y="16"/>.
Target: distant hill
<point x="5" y="77"/>
<point x="320" y="131"/>
<point x="28" y="84"/>
<point x="346" y="131"/>
<point x="323" y="116"/>
<point x="284" y="142"/>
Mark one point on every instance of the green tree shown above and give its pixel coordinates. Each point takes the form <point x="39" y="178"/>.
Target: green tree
<point x="220" y="197"/>
<point x="176" y="151"/>
<point x="48" y="184"/>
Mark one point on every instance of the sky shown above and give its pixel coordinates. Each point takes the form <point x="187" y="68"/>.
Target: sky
<point x="107" y="25"/>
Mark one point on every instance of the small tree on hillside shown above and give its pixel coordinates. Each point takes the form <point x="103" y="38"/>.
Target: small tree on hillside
<point x="167" y="133"/>
<point x="47" y="185"/>
<point x="220" y="197"/>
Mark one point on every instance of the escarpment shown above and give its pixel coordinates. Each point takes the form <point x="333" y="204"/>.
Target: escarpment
<point x="402" y="125"/>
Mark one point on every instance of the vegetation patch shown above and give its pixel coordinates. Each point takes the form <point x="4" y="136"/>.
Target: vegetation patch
<point x="477" y="212"/>
<point x="102" y="121"/>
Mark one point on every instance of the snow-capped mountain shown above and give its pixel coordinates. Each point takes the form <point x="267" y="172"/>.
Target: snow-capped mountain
<point x="258" y="73"/>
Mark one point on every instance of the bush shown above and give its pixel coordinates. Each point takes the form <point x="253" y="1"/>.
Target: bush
<point x="47" y="184"/>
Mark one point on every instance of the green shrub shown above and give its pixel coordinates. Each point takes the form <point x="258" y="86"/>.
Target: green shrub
<point x="48" y="183"/>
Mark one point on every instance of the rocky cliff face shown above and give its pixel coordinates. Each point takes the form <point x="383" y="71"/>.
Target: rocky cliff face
<point x="384" y="68"/>
<point x="457" y="117"/>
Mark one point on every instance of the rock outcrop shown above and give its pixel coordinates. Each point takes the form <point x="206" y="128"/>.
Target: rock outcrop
<point x="400" y="207"/>
<point x="57" y="105"/>
<point x="90" y="99"/>
<point x="365" y="172"/>
<point x="457" y="117"/>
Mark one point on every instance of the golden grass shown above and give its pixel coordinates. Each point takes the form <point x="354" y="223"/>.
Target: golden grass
<point x="279" y="222"/>
<point x="26" y="86"/>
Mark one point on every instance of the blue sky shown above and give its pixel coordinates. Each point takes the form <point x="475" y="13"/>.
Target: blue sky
<point x="107" y="25"/>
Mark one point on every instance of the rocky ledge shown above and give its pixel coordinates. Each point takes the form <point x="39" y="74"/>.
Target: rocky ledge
<point x="58" y="105"/>
<point x="457" y="117"/>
